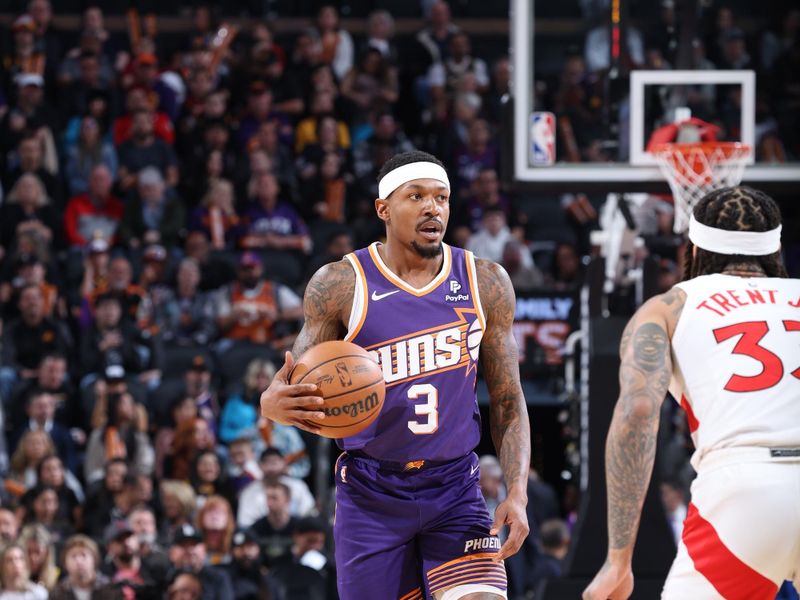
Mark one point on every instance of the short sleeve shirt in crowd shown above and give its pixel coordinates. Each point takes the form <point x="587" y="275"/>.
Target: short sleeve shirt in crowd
<point x="282" y="220"/>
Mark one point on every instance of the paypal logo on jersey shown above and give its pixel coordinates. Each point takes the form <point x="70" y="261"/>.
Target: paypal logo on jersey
<point x="454" y="296"/>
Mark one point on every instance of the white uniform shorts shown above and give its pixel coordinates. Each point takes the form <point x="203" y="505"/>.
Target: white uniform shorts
<point x="741" y="537"/>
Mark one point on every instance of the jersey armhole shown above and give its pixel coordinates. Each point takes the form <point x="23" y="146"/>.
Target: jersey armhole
<point x="472" y="274"/>
<point x="358" y="310"/>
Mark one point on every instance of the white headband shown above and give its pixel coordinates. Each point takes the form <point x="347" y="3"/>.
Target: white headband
<point x="722" y="241"/>
<point x="417" y="170"/>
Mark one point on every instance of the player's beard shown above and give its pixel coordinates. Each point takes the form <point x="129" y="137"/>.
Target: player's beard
<point x="427" y="250"/>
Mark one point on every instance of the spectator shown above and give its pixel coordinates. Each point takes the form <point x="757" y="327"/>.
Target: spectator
<point x="198" y="386"/>
<point x="124" y="564"/>
<point x="40" y="408"/>
<point x="208" y="479"/>
<point x="84" y="157"/>
<point x="32" y="448"/>
<point x="518" y="263"/>
<point x="386" y="140"/>
<point x="154" y="215"/>
<point x="266" y="141"/>
<point x="185" y="586"/>
<point x="186" y="315"/>
<point x="50" y="472"/>
<point x="215" y="270"/>
<point x="243" y="467"/>
<point x="555" y="544"/>
<point x="306" y="569"/>
<point x="29" y="269"/>
<point x="183" y="409"/>
<point x="9" y="526"/>
<point x="370" y="85"/>
<point x="499" y="90"/>
<point x="144" y="149"/>
<point x="121" y="437"/>
<point x="178" y="502"/>
<point x="189" y="552"/>
<point x="241" y="410"/>
<point x="567" y="271"/>
<point x="191" y="438"/>
<point x="94" y="213"/>
<point x="111" y="340"/>
<point x="338" y="244"/>
<point x="139" y="98"/>
<point x="119" y="281"/>
<point x="477" y="154"/>
<point x="252" y="501"/>
<point x="29" y="337"/>
<point x="217" y="216"/>
<point x="51" y="376"/>
<point x="15" y="580"/>
<point x="321" y="105"/>
<point x="83" y="579"/>
<point x="114" y="383"/>
<point x="335" y="44"/>
<point x="142" y="521"/>
<point x="27" y="210"/>
<point x="597" y="48"/>
<point x="216" y="523"/>
<point x="38" y="541"/>
<point x="380" y="31"/>
<point x="247" y="571"/>
<point x="734" y="50"/>
<point x="274" y="530"/>
<point x="100" y="497"/>
<point x="250" y="309"/>
<point x="146" y="74"/>
<point x="435" y="38"/>
<point x="488" y="242"/>
<point x="459" y="72"/>
<point x="259" y="111"/>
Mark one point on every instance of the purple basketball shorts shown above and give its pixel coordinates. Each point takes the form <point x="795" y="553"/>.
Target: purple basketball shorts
<point x="404" y="532"/>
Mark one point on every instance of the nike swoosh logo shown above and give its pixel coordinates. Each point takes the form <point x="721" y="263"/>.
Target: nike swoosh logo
<point x="473" y="469"/>
<point x="376" y="296"/>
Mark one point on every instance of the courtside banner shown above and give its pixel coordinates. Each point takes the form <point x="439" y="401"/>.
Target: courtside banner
<point x="542" y="322"/>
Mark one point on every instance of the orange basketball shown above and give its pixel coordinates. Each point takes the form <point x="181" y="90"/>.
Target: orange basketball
<point x="351" y="383"/>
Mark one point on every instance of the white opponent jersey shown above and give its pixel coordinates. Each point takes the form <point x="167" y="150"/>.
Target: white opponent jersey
<point x="736" y="362"/>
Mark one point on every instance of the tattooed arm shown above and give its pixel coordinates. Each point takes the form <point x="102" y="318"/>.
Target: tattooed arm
<point x="326" y="308"/>
<point x="644" y="376"/>
<point x="508" y="410"/>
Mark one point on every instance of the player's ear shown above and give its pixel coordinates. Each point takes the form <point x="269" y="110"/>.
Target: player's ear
<point x="382" y="209"/>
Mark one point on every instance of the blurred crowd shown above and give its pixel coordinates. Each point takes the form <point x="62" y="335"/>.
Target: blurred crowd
<point x="164" y="197"/>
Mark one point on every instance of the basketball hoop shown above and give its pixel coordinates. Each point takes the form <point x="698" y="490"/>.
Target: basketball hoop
<point x="694" y="170"/>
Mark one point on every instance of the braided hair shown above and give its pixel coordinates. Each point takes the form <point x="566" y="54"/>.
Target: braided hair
<point x="739" y="208"/>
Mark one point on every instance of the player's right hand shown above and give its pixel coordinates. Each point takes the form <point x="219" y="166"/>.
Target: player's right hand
<point x="613" y="582"/>
<point x="291" y="404"/>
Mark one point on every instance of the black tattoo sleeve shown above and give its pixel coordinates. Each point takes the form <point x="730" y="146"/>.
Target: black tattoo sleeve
<point x="508" y="411"/>
<point x="326" y="306"/>
<point x="644" y="377"/>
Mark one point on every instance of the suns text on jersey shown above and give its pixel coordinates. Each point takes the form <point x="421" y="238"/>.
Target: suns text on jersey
<point x="422" y="353"/>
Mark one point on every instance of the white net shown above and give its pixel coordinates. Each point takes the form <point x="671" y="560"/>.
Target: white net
<point x="694" y="170"/>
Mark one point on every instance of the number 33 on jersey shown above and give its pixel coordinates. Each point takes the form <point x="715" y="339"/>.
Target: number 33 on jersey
<point x="737" y="361"/>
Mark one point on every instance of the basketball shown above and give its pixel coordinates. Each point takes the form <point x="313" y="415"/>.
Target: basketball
<point x="350" y="381"/>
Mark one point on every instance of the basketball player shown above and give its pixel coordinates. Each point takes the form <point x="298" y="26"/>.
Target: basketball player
<point x="411" y="522"/>
<point x="725" y="341"/>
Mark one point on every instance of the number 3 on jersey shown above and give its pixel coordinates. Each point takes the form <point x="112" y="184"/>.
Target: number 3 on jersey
<point x="429" y="408"/>
<point x="752" y="333"/>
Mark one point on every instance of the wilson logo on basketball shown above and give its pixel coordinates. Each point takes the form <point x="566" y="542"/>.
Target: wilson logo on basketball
<point x="354" y="409"/>
<point x="344" y="376"/>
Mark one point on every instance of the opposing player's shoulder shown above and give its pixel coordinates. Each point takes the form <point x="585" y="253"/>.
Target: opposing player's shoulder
<point x="330" y="289"/>
<point x="496" y="290"/>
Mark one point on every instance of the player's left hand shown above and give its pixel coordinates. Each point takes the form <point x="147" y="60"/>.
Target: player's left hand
<point x="511" y="512"/>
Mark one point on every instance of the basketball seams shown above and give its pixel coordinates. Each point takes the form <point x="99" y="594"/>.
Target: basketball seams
<point x="325" y="362"/>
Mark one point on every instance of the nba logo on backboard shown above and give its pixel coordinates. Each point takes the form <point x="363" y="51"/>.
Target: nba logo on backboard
<point x="543" y="139"/>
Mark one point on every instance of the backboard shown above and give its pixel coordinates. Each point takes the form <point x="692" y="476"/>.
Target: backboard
<point x="627" y="89"/>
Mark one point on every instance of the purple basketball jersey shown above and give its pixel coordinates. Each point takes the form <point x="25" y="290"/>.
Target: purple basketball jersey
<point x="427" y="342"/>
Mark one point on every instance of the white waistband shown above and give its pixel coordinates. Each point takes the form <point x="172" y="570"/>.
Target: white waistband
<point x="721" y="456"/>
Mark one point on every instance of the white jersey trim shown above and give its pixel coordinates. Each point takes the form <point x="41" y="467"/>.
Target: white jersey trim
<point x="359" y="308"/>
<point x="473" y="277"/>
